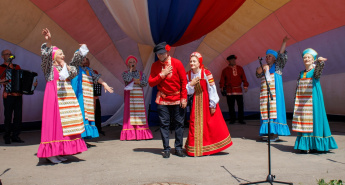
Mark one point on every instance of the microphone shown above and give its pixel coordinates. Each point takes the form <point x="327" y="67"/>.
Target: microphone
<point x="11" y="58"/>
<point x="260" y="58"/>
<point x="133" y="65"/>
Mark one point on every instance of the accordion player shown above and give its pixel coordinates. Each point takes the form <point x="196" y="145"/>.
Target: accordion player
<point x="20" y="81"/>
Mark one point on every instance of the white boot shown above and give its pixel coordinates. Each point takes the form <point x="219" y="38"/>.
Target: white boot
<point x="54" y="160"/>
<point x="61" y="158"/>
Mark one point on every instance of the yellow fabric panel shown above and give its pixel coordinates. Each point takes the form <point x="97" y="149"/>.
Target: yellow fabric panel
<point x="145" y="52"/>
<point x="272" y="4"/>
<point x="245" y="18"/>
<point x="59" y="38"/>
<point x="208" y="53"/>
<point x="18" y="19"/>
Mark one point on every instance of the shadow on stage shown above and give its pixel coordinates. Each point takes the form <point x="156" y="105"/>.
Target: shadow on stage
<point x="70" y="159"/>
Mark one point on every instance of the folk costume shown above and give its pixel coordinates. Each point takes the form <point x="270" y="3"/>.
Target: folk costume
<point x="62" y="121"/>
<point x="83" y="87"/>
<point x="310" y="119"/>
<point x="231" y="80"/>
<point x="208" y="134"/>
<point x="277" y="121"/>
<point x="13" y="105"/>
<point x="171" y="92"/>
<point x="135" y="124"/>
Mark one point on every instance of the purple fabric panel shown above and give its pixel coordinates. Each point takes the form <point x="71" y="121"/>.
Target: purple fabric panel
<point x="26" y="60"/>
<point x="125" y="45"/>
<point x="183" y="52"/>
<point x="329" y="45"/>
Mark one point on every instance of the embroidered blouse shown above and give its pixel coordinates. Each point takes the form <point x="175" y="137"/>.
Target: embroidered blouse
<point x="128" y="77"/>
<point x="48" y="67"/>
<point x="211" y="88"/>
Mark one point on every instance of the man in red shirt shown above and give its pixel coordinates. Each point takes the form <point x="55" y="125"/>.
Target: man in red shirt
<point x="169" y="75"/>
<point x="13" y="103"/>
<point x="231" y="84"/>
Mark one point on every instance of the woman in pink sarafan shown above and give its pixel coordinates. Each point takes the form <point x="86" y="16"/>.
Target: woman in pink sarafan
<point x="62" y="121"/>
<point x="135" y="125"/>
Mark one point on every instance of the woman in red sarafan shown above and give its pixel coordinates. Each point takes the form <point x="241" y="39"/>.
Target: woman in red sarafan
<point x="208" y="133"/>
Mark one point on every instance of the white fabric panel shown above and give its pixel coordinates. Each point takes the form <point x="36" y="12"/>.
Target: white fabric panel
<point x="133" y="18"/>
<point x="118" y="116"/>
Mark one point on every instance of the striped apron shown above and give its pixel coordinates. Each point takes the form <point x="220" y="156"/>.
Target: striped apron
<point x="264" y="98"/>
<point x="87" y="86"/>
<point x="70" y="113"/>
<point x="303" y="112"/>
<point x="137" y="113"/>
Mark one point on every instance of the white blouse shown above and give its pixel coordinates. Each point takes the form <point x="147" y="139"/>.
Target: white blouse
<point x="212" y="91"/>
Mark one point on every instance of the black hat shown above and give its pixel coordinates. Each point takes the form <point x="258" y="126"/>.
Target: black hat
<point x="231" y="57"/>
<point x="161" y="48"/>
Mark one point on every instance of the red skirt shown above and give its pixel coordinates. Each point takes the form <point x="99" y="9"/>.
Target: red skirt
<point x="208" y="134"/>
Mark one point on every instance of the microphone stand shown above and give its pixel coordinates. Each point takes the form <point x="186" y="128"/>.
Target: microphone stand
<point x="270" y="177"/>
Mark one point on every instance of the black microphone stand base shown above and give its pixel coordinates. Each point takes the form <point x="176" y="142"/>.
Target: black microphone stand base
<point x="269" y="179"/>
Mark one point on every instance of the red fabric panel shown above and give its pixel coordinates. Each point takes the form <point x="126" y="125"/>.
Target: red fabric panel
<point x="46" y="5"/>
<point x="307" y="18"/>
<point x="209" y="15"/>
<point x="78" y="19"/>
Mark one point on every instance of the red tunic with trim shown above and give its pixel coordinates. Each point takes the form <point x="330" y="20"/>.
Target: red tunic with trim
<point x="172" y="88"/>
<point x="232" y="78"/>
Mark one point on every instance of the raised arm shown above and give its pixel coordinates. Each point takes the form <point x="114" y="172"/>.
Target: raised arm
<point x="46" y="55"/>
<point x="79" y="56"/>
<point x="320" y="64"/>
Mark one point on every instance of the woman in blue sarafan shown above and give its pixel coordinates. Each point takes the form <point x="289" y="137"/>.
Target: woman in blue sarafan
<point x="83" y="87"/>
<point x="310" y="119"/>
<point x="273" y="71"/>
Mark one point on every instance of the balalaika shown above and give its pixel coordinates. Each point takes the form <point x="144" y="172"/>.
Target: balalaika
<point x="20" y="81"/>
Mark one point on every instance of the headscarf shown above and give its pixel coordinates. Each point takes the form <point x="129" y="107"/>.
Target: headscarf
<point x="310" y="51"/>
<point x="129" y="57"/>
<point x="55" y="49"/>
<point x="198" y="55"/>
<point x="272" y="52"/>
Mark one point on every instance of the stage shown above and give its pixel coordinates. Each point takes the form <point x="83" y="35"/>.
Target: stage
<point x="112" y="161"/>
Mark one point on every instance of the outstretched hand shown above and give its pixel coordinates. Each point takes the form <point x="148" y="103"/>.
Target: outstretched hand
<point x="107" y="88"/>
<point x="46" y="34"/>
<point x="321" y="59"/>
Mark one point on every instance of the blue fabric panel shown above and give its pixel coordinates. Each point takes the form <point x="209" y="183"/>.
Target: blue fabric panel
<point x="169" y="19"/>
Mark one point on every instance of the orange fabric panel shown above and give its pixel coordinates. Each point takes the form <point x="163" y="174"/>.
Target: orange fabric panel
<point x="145" y="52"/>
<point x="245" y="18"/>
<point x="307" y="18"/>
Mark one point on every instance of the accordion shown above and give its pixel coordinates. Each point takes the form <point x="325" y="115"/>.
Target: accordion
<point x="97" y="89"/>
<point x="20" y="81"/>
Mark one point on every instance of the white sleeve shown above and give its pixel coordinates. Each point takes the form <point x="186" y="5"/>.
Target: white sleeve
<point x="190" y="89"/>
<point x="212" y="94"/>
<point x="83" y="50"/>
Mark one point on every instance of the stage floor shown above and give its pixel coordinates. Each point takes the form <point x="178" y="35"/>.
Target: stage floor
<point x="112" y="161"/>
